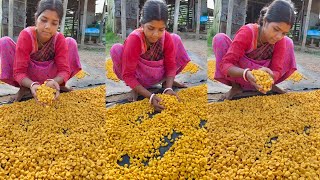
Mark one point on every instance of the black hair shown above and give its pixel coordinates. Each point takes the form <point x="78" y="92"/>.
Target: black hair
<point x="54" y="5"/>
<point x="154" y="10"/>
<point x="278" y="11"/>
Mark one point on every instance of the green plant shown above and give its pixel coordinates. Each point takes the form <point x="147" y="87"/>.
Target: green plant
<point x="211" y="34"/>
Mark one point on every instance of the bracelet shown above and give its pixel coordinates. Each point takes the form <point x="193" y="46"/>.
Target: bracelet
<point x="32" y="84"/>
<point x="150" y="99"/>
<point x="167" y="89"/>
<point x="48" y="80"/>
<point x="244" y="74"/>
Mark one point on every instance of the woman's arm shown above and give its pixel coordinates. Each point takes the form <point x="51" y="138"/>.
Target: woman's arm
<point x="169" y="60"/>
<point x="61" y="60"/>
<point x="236" y="51"/>
<point x="278" y="58"/>
<point x="130" y="58"/>
<point x="22" y="58"/>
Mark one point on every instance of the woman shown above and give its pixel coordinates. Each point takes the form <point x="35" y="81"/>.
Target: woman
<point x="257" y="46"/>
<point x="41" y="54"/>
<point x="150" y="55"/>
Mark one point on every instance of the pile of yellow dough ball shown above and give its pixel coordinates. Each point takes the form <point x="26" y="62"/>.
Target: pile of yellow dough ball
<point x="263" y="79"/>
<point x="109" y="71"/>
<point x="45" y="94"/>
<point x="191" y="67"/>
<point x="78" y="138"/>
<point x="268" y="137"/>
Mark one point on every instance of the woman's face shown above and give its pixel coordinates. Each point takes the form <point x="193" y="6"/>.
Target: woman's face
<point x="154" y="30"/>
<point x="275" y="31"/>
<point x="47" y="25"/>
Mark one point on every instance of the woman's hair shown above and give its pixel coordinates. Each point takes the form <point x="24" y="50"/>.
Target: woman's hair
<point x="54" y="5"/>
<point x="278" y="11"/>
<point x="154" y="10"/>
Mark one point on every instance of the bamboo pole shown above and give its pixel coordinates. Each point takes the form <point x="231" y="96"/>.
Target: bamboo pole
<point x="306" y="26"/>
<point x="84" y="22"/>
<point x="198" y="19"/>
<point x="229" y="18"/>
<point x="176" y="15"/>
<point x="10" y="24"/>
<point x="65" y="6"/>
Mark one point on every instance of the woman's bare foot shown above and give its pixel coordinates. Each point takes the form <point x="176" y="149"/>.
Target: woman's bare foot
<point x="23" y="91"/>
<point x="278" y="90"/>
<point x="66" y="89"/>
<point x="133" y="96"/>
<point x="235" y="89"/>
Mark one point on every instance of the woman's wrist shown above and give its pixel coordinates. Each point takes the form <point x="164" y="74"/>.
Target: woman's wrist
<point x="48" y="80"/>
<point x="33" y="83"/>
<point x="151" y="98"/>
<point x="167" y="89"/>
<point x="244" y="74"/>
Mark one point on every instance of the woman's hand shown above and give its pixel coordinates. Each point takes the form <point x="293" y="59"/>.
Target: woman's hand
<point x="267" y="70"/>
<point x="33" y="90"/>
<point x="171" y="92"/>
<point x="54" y="85"/>
<point x="156" y="103"/>
<point x="252" y="81"/>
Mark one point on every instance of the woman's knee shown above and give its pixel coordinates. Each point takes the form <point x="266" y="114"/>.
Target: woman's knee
<point x="5" y="39"/>
<point x="175" y="37"/>
<point x="220" y="37"/>
<point x="71" y="42"/>
<point x="289" y="42"/>
<point x="116" y="49"/>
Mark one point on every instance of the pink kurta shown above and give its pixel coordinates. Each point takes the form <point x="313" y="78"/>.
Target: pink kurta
<point x="137" y="65"/>
<point x="239" y="52"/>
<point x="58" y="57"/>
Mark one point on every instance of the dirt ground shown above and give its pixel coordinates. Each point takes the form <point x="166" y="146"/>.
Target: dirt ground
<point x="93" y="57"/>
<point x="308" y="61"/>
<point x="199" y="47"/>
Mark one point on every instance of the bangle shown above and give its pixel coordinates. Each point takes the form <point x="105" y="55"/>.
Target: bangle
<point x="244" y="74"/>
<point x="32" y="84"/>
<point x="48" y="80"/>
<point x="167" y="89"/>
<point x="151" y="97"/>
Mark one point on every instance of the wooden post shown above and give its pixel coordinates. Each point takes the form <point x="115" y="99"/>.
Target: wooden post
<point x="193" y="13"/>
<point x="123" y="19"/>
<point x="72" y="30"/>
<point x="229" y="18"/>
<point x="176" y="14"/>
<point x="306" y="25"/>
<point x="198" y="19"/>
<point x="10" y="24"/>
<point x="1" y="18"/>
<point x="188" y="6"/>
<point x="301" y="20"/>
<point x="25" y="11"/>
<point x="78" y="18"/>
<point x="84" y="22"/>
<point x="101" y="24"/>
<point x="217" y="16"/>
<point x="246" y="15"/>
<point x="65" y="6"/>
<point x="138" y="13"/>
